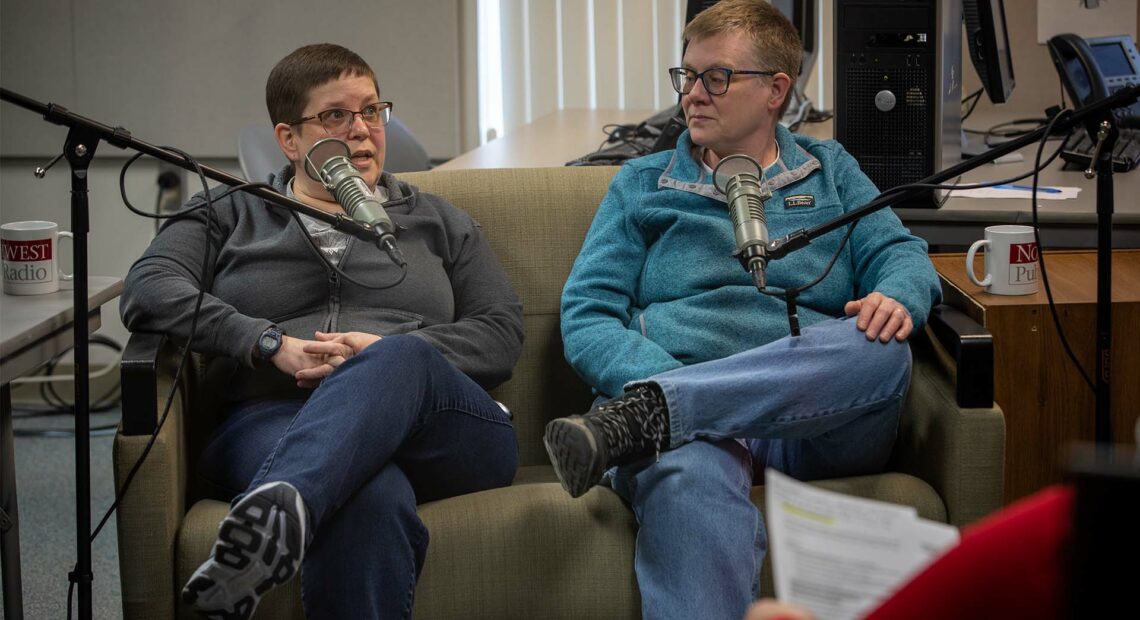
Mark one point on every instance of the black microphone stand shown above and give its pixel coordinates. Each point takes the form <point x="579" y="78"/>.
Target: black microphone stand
<point x="1098" y="119"/>
<point x="83" y="138"/>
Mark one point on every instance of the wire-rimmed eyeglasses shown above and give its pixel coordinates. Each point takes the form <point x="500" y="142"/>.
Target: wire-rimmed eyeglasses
<point x="715" y="80"/>
<point x="337" y="121"/>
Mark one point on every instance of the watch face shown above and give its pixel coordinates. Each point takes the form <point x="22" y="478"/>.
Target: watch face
<point x="269" y="342"/>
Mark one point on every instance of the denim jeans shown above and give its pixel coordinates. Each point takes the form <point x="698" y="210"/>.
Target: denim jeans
<point x="820" y="405"/>
<point x="393" y="426"/>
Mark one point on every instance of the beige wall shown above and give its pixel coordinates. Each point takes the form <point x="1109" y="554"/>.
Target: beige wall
<point x="189" y="74"/>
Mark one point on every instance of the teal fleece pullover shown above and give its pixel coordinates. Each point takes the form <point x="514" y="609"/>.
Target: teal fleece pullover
<point x="656" y="285"/>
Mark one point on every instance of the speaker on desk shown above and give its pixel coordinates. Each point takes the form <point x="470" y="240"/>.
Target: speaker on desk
<point x="898" y="88"/>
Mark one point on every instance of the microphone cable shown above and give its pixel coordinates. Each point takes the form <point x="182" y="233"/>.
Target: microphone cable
<point x="1035" y="172"/>
<point x="236" y="188"/>
<point x="1041" y="259"/>
<point x="336" y="268"/>
<point x="206" y="279"/>
<point x="790" y="294"/>
<point x="207" y="274"/>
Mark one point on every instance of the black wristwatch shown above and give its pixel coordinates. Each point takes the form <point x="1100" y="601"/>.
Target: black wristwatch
<point x="269" y="342"/>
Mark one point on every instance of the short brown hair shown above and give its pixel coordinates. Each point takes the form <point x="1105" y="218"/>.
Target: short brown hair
<point x="294" y="76"/>
<point x="775" y="41"/>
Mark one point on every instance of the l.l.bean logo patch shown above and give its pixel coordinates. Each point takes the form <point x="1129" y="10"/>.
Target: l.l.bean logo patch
<point x="800" y="201"/>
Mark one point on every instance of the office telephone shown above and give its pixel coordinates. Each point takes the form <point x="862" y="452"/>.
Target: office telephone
<point x="1091" y="69"/>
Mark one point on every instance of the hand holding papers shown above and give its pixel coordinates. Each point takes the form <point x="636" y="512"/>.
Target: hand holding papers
<point x="839" y="555"/>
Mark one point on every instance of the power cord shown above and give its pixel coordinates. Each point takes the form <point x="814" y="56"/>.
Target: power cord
<point x="972" y="101"/>
<point x="58" y="405"/>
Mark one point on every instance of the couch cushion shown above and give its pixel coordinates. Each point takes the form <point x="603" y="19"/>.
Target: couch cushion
<point x="529" y="550"/>
<point x="537" y="246"/>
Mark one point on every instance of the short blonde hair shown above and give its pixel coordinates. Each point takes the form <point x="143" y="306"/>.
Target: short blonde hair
<point x="776" y="43"/>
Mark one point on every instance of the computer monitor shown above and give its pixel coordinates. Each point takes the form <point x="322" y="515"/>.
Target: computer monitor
<point x="988" y="42"/>
<point x="696" y="6"/>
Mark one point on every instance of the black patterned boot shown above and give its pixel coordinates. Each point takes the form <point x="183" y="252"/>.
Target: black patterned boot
<point x="618" y="431"/>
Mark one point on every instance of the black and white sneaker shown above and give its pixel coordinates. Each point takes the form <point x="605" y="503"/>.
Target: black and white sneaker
<point x="260" y="545"/>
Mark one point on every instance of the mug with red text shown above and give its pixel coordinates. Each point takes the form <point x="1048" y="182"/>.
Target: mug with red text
<point x="1011" y="260"/>
<point x="31" y="257"/>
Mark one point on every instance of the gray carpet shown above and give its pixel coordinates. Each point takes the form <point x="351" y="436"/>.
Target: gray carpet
<point x="45" y="479"/>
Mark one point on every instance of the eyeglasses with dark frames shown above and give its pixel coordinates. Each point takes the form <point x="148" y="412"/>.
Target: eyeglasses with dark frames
<point x="337" y="121"/>
<point x="715" y="80"/>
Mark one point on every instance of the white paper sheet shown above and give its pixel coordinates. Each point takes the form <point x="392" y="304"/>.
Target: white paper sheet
<point x="839" y="555"/>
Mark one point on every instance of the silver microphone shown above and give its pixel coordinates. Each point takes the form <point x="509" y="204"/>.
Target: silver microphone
<point x="741" y="179"/>
<point x="336" y="172"/>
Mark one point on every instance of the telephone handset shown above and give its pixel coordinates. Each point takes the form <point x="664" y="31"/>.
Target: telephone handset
<point x="1077" y="67"/>
<point x="1079" y="73"/>
<point x="1092" y="69"/>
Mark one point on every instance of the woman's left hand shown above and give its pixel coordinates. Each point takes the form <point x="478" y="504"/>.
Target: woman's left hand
<point x="335" y="348"/>
<point x="881" y="317"/>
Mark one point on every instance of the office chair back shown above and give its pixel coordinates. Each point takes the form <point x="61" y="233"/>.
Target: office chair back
<point x="260" y="156"/>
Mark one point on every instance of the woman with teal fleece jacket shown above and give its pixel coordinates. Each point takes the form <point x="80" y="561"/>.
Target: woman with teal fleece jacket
<point x="656" y="287"/>
<point x="708" y="387"/>
<point x="656" y="298"/>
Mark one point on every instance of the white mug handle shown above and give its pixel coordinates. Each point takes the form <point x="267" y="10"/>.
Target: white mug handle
<point x="62" y="275"/>
<point x="970" y="264"/>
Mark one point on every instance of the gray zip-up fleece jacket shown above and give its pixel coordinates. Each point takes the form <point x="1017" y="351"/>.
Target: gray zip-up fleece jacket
<point x="455" y="296"/>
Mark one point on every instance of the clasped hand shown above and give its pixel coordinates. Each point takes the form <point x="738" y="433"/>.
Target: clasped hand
<point x="310" y="361"/>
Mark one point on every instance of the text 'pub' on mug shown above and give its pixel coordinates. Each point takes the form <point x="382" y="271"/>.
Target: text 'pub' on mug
<point x="1011" y="260"/>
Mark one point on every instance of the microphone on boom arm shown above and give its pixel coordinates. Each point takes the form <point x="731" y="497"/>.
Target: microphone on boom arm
<point x="741" y="179"/>
<point x="328" y="162"/>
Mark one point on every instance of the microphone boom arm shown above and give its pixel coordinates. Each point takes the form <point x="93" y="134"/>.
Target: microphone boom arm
<point x="121" y="138"/>
<point x="778" y="248"/>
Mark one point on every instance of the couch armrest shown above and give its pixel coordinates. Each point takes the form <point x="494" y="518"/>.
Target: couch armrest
<point x="960" y="451"/>
<point x="972" y="349"/>
<point x="138" y="372"/>
<point x="151" y="510"/>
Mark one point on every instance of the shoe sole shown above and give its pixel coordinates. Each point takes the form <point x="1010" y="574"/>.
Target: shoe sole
<point x="573" y="451"/>
<point x="259" y="547"/>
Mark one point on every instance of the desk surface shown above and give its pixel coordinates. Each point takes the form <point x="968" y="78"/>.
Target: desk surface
<point x="28" y="322"/>
<point x="1043" y="396"/>
<point x="549" y="141"/>
<point x="568" y="134"/>
<point x="1079" y="211"/>
<point x="1069" y="279"/>
<point x="33" y="329"/>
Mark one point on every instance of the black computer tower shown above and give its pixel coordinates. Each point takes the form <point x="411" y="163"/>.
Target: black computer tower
<point x="898" y="88"/>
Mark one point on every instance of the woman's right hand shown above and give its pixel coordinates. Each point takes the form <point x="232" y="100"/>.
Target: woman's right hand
<point x="293" y="359"/>
<point x="332" y="349"/>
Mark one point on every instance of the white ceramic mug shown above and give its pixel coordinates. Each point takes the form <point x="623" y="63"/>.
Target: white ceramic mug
<point x="1011" y="260"/>
<point x="31" y="257"/>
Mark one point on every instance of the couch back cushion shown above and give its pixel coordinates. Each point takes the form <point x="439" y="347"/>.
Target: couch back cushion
<point x="535" y="220"/>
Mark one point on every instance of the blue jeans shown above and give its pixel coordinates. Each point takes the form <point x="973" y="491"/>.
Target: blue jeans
<point x="823" y="404"/>
<point x="393" y="426"/>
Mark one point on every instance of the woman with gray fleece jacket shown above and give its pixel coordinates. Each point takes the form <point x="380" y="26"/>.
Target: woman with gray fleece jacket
<point x="343" y="406"/>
